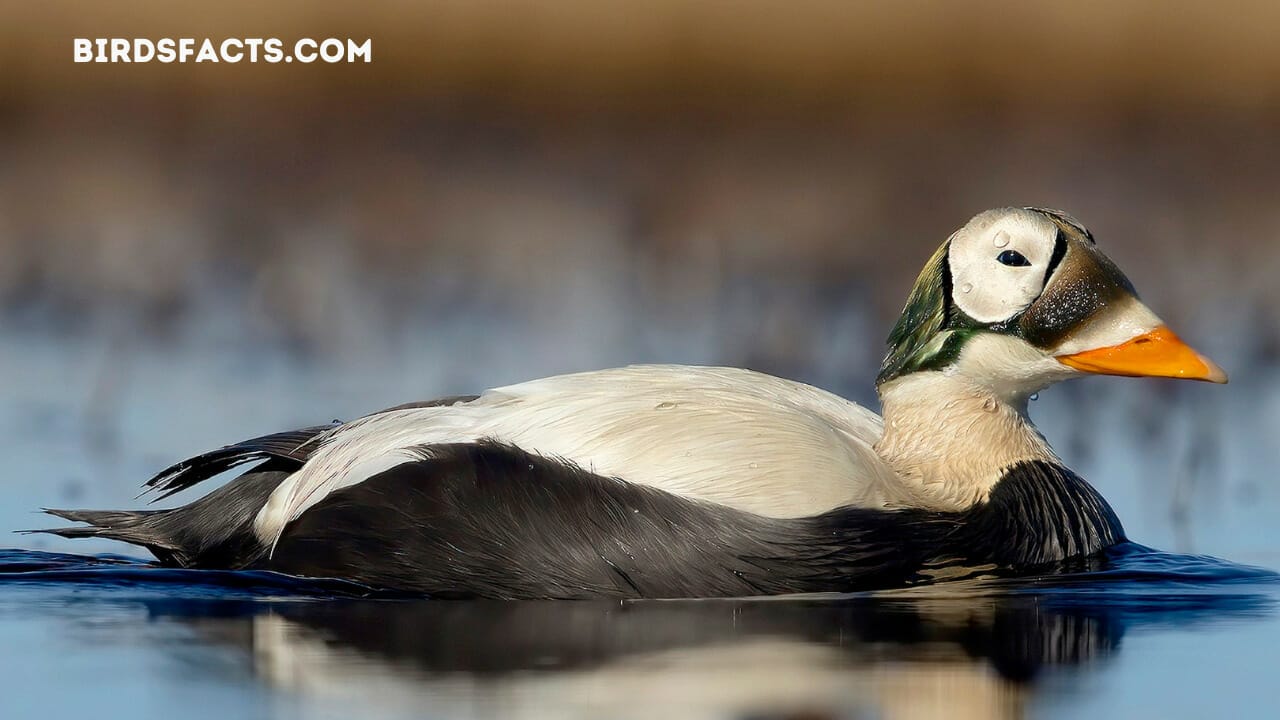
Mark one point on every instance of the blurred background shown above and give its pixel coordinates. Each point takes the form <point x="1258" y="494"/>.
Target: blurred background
<point x="195" y="254"/>
<point x="191" y="254"/>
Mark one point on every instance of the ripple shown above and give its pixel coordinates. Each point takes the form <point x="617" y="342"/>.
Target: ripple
<point x="1129" y="572"/>
<point x="116" y="572"/>
<point x="1010" y="631"/>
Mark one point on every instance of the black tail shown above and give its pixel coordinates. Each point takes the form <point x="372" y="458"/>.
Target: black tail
<point x="214" y="531"/>
<point x="123" y="525"/>
<point x="217" y="529"/>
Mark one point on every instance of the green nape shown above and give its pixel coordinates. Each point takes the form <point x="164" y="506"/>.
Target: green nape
<point x="918" y="341"/>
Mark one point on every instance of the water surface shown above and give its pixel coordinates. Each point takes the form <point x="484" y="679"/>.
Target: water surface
<point x="84" y="419"/>
<point x="1143" y="635"/>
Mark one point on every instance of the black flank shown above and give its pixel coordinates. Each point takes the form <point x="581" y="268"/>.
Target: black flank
<point x="489" y="520"/>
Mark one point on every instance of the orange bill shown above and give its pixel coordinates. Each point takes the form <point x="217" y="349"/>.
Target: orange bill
<point x="1158" y="353"/>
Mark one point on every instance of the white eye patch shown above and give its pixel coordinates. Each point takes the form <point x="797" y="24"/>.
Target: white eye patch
<point x="998" y="263"/>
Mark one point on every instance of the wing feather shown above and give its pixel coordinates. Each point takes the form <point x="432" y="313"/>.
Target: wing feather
<point x="743" y="439"/>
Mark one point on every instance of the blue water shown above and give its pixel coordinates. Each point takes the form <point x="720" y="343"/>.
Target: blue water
<point x="1152" y="634"/>
<point x="1144" y="635"/>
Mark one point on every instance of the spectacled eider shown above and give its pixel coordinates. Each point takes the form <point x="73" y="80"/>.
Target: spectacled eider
<point x="677" y="481"/>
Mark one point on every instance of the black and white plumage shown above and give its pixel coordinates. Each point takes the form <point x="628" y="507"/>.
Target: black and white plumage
<point x="494" y="521"/>
<point x="670" y="481"/>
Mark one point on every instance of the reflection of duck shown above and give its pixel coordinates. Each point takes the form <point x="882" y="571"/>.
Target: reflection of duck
<point x="682" y="481"/>
<point x="753" y="677"/>
<point x="986" y="648"/>
<point x="1016" y="636"/>
<point x="971" y="651"/>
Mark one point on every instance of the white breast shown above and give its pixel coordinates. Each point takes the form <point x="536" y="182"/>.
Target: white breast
<point x="744" y="439"/>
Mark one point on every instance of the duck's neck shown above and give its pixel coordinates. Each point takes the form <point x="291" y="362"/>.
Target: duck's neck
<point x="950" y="440"/>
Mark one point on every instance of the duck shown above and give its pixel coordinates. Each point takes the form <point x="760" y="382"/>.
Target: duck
<point x="663" y="481"/>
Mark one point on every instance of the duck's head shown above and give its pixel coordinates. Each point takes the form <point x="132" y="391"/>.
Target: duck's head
<point x="1020" y="298"/>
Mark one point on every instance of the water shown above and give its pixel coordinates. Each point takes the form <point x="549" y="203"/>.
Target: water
<point x="113" y="636"/>
<point x="85" y="418"/>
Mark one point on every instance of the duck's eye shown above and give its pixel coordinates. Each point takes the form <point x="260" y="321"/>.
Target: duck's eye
<point x="1013" y="258"/>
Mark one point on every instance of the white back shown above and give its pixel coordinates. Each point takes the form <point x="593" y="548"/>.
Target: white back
<point x="736" y="437"/>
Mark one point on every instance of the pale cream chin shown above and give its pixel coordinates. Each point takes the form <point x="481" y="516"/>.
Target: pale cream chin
<point x="1008" y="367"/>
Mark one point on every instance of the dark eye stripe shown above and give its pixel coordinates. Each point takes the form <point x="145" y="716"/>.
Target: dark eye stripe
<point x="1013" y="258"/>
<point x="1059" y="251"/>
